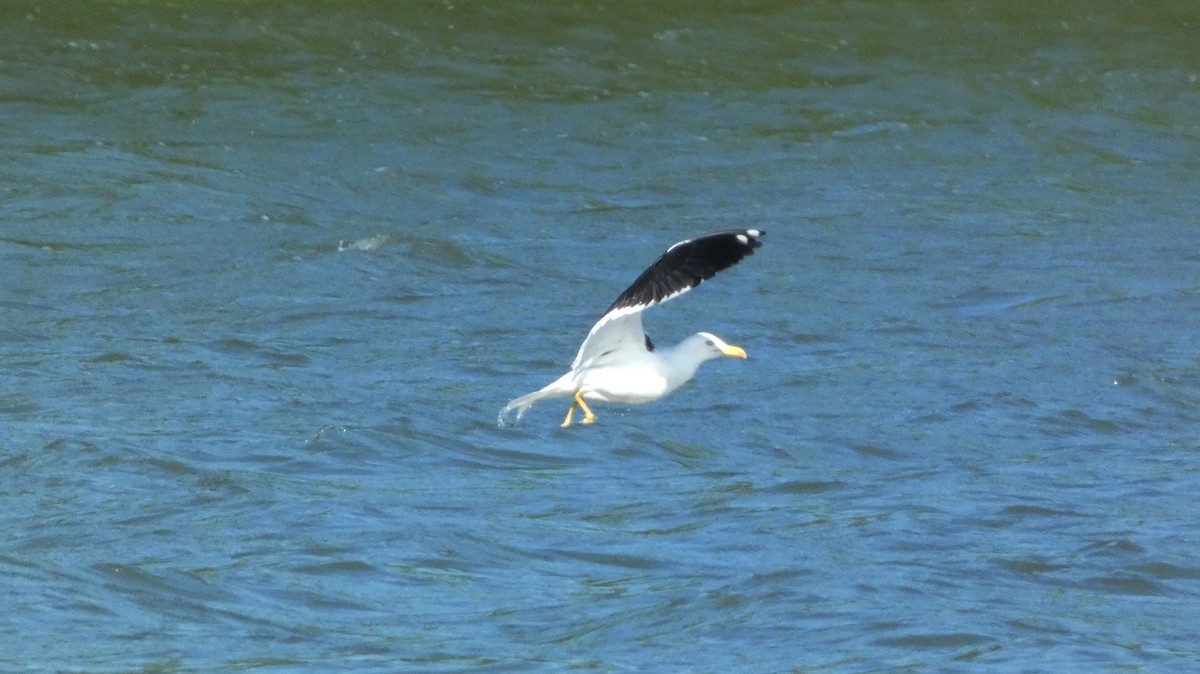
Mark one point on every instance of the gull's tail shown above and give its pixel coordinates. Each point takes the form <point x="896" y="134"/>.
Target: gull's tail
<point x="562" y="387"/>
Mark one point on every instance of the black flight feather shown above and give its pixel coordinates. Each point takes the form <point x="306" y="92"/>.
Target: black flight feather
<point x="687" y="264"/>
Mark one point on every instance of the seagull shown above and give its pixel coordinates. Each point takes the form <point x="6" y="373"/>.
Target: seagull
<point x="617" y="362"/>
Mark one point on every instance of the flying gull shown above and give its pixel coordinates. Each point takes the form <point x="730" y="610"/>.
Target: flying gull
<point x="617" y="362"/>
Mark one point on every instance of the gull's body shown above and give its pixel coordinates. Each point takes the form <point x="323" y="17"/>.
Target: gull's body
<point x="618" y="362"/>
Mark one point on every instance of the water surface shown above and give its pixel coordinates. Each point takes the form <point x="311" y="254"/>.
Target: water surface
<point x="271" y="272"/>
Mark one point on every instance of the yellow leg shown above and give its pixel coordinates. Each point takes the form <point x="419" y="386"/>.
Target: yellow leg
<point x="588" y="417"/>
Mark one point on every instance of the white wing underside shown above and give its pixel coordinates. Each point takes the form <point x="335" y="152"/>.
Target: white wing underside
<point x="611" y="337"/>
<point x="619" y="331"/>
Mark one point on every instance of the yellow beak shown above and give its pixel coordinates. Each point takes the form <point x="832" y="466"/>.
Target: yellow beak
<point x="734" y="352"/>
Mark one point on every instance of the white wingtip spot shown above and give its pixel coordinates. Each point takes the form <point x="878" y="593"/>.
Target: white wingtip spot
<point x="754" y="233"/>
<point x="743" y="239"/>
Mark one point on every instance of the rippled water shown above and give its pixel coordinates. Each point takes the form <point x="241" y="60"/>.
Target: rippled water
<point x="271" y="272"/>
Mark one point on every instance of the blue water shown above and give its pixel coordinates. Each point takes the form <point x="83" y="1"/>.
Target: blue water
<point x="270" y="274"/>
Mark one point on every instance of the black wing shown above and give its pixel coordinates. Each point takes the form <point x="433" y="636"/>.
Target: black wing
<point x="686" y="265"/>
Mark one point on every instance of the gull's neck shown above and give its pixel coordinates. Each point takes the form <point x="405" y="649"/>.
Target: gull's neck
<point x="683" y="359"/>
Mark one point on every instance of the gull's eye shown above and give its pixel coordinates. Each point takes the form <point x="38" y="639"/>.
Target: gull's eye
<point x="708" y="342"/>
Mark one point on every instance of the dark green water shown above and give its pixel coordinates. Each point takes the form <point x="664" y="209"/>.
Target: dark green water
<point x="270" y="272"/>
